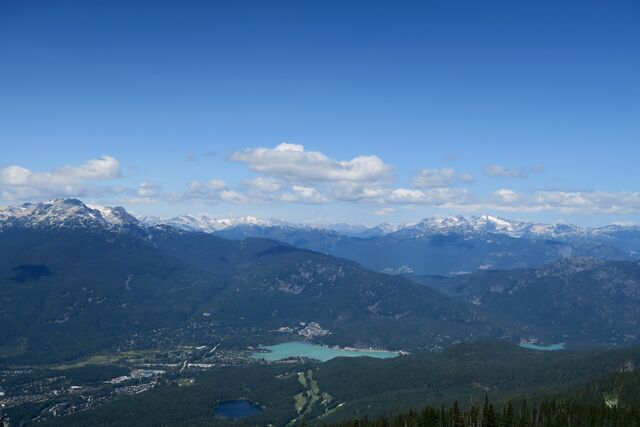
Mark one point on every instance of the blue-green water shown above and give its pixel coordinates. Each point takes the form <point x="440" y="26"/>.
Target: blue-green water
<point x="234" y="409"/>
<point x="552" y="347"/>
<point x="317" y="352"/>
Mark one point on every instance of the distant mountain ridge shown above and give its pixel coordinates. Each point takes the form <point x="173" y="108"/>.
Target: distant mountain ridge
<point x="434" y="246"/>
<point x="444" y="249"/>
<point x="207" y="223"/>
<point x="60" y="212"/>
<point x="480" y="225"/>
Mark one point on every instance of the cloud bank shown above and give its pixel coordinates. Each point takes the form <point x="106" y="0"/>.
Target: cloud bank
<point x="20" y="183"/>
<point x="288" y="173"/>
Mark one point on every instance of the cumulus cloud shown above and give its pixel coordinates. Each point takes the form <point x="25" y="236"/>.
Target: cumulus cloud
<point x="20" y="183"/>
<point x="504" y="196"/>
<point x="407" y="195"/>
<point x="147" y="193"/>
<point x="355" y="191"/>
<point x="293" y="163"/>
<point x="288" y="173"/>
<point x="105" y="167"/>
<point x="441" y="197"/>
<point x="205" y="189"/>
<point x="508" y="200"/>
<point x="264" y="185"/>
<point x="620" y="202"/>
<point x="211" y="190"/>
<point x="147" y="189"/>
<point x="441" y="178"/>
<point x="302" y="194"/>
<point x="231" y="196"/>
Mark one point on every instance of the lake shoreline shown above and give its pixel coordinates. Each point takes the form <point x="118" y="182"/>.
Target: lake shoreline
<point x="321" y="352"/>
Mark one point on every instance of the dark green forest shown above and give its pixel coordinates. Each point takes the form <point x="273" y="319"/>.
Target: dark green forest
<point x="547" y="413"/>
<point x="611" y="401"/>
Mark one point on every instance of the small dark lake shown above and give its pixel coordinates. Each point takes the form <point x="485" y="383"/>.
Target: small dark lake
<point x="235" y="409"/>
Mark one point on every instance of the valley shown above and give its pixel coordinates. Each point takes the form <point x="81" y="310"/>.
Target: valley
<point x="106" y="315"/>
<point x="157" y="388"/>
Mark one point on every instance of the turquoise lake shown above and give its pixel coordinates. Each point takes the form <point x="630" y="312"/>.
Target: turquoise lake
<point x="314" y="351"/>
<point x="552" y="347"/>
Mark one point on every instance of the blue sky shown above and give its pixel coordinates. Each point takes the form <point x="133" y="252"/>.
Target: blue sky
<point x="528" y="110"/>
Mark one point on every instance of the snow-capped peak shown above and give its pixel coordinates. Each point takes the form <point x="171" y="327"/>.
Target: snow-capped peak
<point x="464" y="225"/>
<point x="209" y="224"/>
<point x="484" y="224"/>
<point x="74" y="213"/>
<point x="66" y="213"/>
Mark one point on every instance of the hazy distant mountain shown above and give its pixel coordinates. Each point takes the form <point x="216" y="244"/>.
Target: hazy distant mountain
<point x="474" y="225"/>
<point x="576" y="299"/>
<point x="627" y="237"/>
<point x="208" y="224"/>
<point x="436" y="248"/>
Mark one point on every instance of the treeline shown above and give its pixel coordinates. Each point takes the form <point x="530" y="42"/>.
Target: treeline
<point x="546" y="413"/>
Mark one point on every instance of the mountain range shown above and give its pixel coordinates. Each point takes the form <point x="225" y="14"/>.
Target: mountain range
<point x="75" y="280"/>
<point x="78" y="279"/>
<point x="474" y="225"/>
<point x="437" y="246"/>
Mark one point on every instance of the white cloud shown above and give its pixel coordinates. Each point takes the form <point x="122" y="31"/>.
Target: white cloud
<point x="293" y="163"/>
<point x="105" y="167"/>
<point x="441" y="197"/>
<point x="506" y="196"/>
<point x="573" y="202"/>
<point x="15" y="175"/>
<point x="622" y="202"/>
<point x="205" y="189"/>
<point x="289" y="174"/>
<point x="355" y="191"/>
<point x="405" y="195"/>
<point x="211" y="190"/>
<point x="230" y="196"/>
<point x="20" y="183"/>
<point x="146" y="194"/>
<point x="441" y="178"/>
<point x="289" y="147"/>
<point x="264" y="185"/>
<point x="302" y="194"/>
<point x="147" y="189"/>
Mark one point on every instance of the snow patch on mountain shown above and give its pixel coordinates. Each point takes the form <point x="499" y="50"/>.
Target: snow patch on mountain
<point x="73" y="212"/>
<point x="66" y="213"/>
<point x="207" y="223"/>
